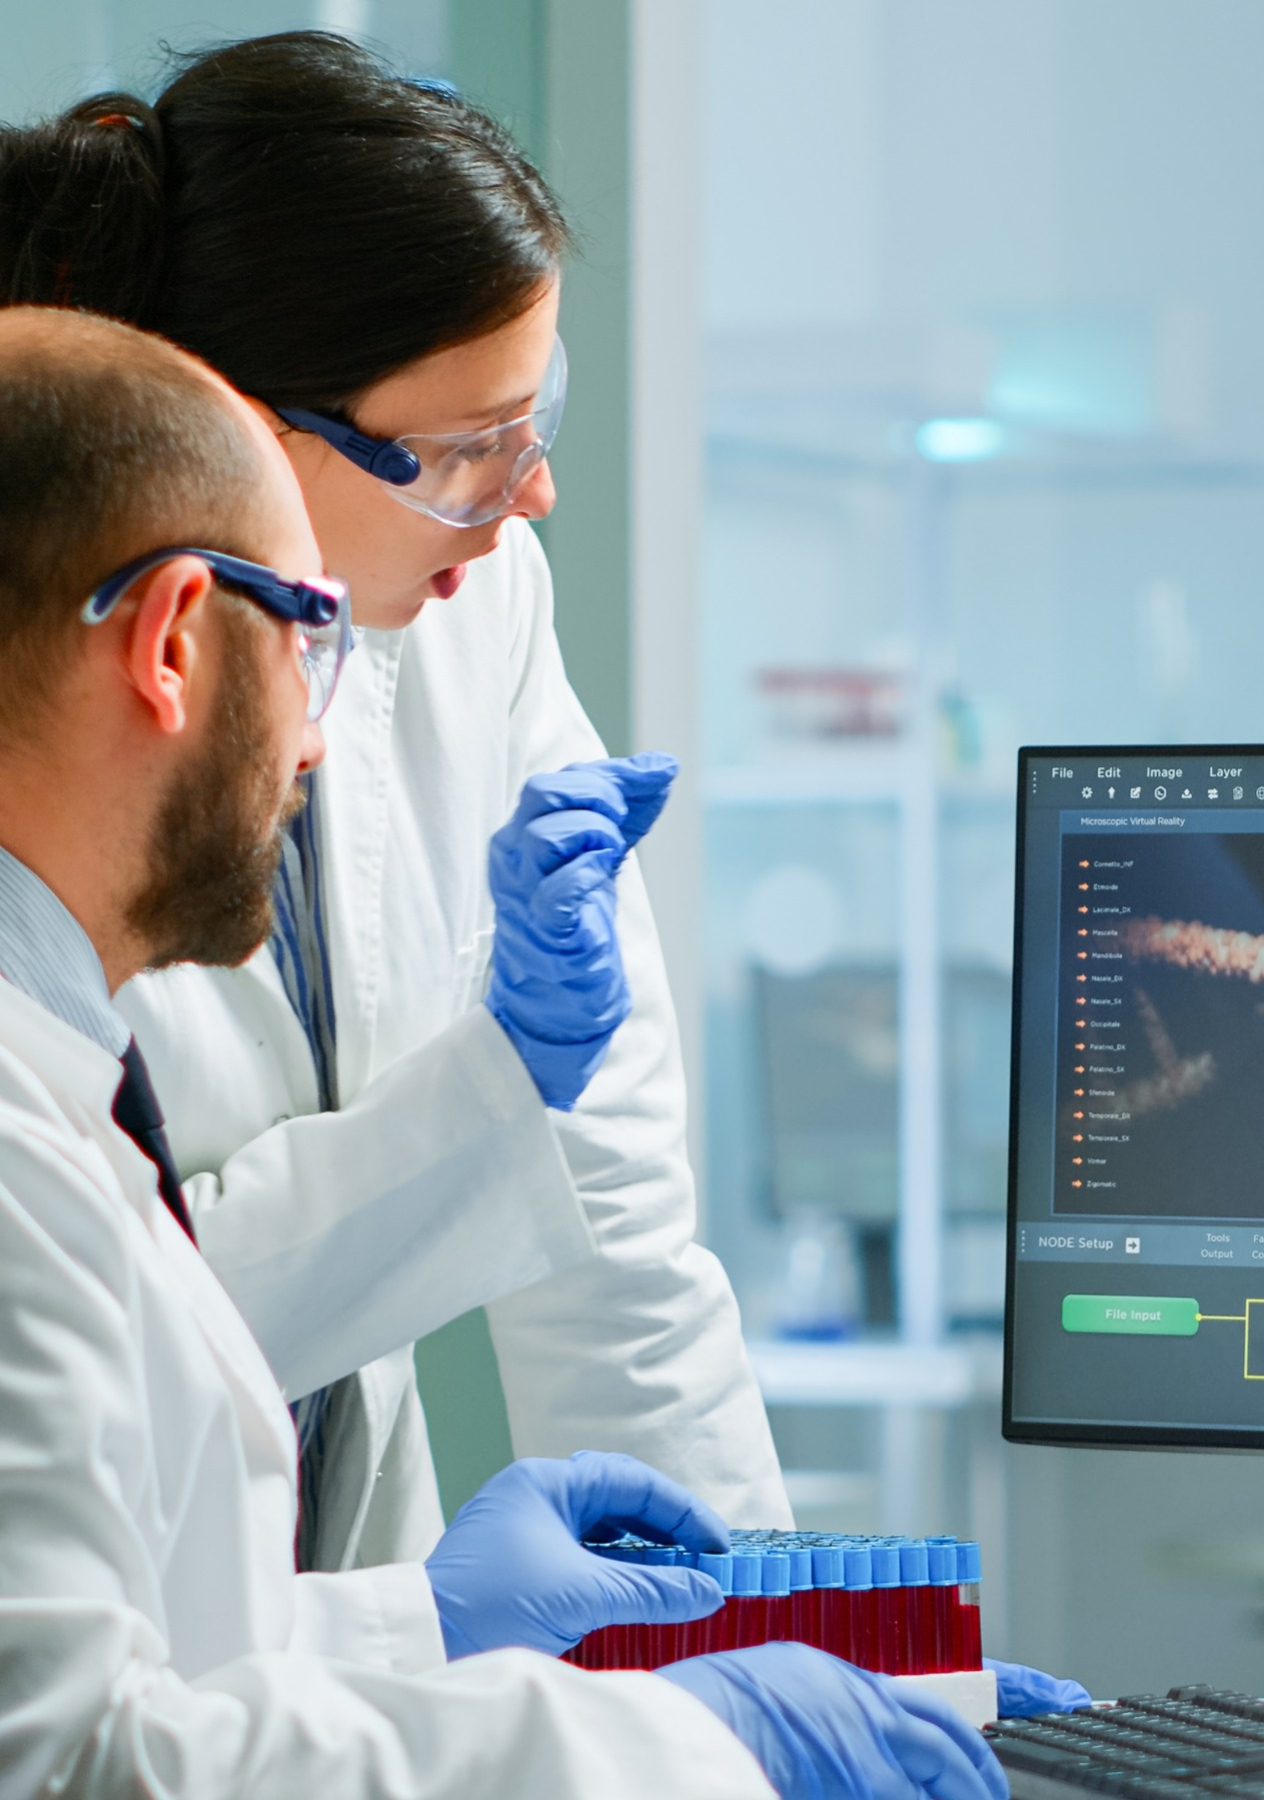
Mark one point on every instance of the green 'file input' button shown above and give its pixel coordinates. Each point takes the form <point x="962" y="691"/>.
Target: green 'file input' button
<point x="1137" y="1315"/>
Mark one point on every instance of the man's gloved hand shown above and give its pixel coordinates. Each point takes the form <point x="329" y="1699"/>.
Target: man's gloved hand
<point x="820" y="1727"/>
<point x="557" y="987"/>
<point x="510" y="1569"/>
<point x="1021" y="1693"/>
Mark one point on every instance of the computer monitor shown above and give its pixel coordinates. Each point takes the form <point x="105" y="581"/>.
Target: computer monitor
<point x="1135" y="1297"/>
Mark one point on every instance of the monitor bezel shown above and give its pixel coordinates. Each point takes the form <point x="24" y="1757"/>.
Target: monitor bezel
<point x="1070" y="1433"/>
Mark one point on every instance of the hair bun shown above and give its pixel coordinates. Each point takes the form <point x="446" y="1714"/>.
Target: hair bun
<point x="82" y="208"/>
<point x="106" y="111"/>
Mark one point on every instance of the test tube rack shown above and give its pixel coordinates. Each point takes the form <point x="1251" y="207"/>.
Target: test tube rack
<point x="896" y="1605"/>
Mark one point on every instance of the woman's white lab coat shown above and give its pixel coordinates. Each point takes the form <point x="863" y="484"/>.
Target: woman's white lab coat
<point x="153" y="1635"/>
<point x="444" y="1183"/>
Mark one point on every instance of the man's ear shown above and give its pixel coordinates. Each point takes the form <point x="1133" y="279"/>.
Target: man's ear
<point x="162" y="645"/>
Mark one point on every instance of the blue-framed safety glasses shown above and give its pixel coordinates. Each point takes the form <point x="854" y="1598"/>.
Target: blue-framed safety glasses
<point x="462" y="477"/>
<point x="319" y="605"/>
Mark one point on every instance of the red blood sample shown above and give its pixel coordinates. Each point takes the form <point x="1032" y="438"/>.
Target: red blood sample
<point x="744" y="1624"/>
<point x="862" y="1605"/>
<point x="888" y="1649"/>
<point x="969" y="1628"/>
<point x="968" y="1637"/>
<point x="826" y="1610"/>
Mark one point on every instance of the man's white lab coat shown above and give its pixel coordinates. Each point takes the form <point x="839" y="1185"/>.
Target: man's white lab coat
<point x="153" y="1635"/>
<point x="445" y="1183"/>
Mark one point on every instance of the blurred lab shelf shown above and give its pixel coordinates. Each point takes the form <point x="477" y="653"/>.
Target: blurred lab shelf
<point x="873" y="774"/>
<point x="910" y="1389"/>
<point x="833" y="1499"/>
<point x="836" y="446"/>
<point x="879" y="1374"/>
<point x="855" y="776"/>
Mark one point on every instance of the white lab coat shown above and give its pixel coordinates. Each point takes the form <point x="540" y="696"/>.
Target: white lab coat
<point x="445" y="1183"/>
<point x="153" y="1635"/>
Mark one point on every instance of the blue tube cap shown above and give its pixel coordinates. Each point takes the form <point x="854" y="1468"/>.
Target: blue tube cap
<point x="774" y="1572"/>
<point x="885" y="1559"/>
<point x="800" y="1568"/>
<point x="914" y="1563"/>
<point x="719" y="1565"/>
<point x="858" y="1567"/>
<point x="747" y="1575"/>
<point x="827" y="1566"/>
<point x="969" y="1563"/>
<point x="942" y="1560"/>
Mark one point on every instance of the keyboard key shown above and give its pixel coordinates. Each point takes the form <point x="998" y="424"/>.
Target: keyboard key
<point x="1041" y="1759"/>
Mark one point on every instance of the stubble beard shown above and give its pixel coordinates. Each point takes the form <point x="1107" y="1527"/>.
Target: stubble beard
<point x="215" y="849"/>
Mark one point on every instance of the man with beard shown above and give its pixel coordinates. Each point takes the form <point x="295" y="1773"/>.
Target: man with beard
<point x="166" y="646"/>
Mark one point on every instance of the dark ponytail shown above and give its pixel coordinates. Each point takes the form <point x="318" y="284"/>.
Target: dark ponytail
<point x="81" y="208"/>
<point x="290" y="210"/>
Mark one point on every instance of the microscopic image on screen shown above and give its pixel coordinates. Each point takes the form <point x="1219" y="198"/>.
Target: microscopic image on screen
<point x="1160" y="1082"/>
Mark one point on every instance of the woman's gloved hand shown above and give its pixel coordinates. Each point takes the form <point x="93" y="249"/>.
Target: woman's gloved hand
<point x="1021" y="1693"/>
<point x="557" y="987"/>
<point x="511" y="1570"/>
<point x="820" y="1727"/>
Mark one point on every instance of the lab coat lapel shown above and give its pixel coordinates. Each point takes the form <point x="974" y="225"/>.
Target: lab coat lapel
<point x="355" y="782"/>
<point x="266" y="1426"/>
<point x="82" y="1079"/>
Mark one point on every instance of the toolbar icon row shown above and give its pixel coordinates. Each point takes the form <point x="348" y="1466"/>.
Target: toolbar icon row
<point x="1163" y="793"/>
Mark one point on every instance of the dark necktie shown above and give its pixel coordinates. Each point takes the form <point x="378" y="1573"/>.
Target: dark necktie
<point x="137" y="1112"/>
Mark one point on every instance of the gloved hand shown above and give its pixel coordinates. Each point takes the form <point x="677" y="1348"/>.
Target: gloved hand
<point x="557" y="985"/>
<point x="820" y="1727"/>
<point x="1021" y="1693"/>
<point x="510" y="1568"/>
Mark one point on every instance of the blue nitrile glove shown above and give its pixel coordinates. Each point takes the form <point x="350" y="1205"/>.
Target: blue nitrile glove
<point x="821" y="1728"/>
<point x="631" y="790"/>
<point x="1022" y="1693"/>
<point x="511" y="1570"/>
<point x="557" y="986"/>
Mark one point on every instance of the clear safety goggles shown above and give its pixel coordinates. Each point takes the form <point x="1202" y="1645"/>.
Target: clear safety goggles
<point x="319" y="607"/>
<point x="460" y="477"/>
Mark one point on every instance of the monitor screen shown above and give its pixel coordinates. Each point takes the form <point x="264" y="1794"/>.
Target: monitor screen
<point x="1135" y="1298"/>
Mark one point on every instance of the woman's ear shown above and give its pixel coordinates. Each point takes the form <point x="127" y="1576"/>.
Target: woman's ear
<point x="161" y="649"/>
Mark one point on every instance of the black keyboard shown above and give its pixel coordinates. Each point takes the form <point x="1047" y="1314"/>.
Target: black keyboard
<point x="1189" y="1742"/>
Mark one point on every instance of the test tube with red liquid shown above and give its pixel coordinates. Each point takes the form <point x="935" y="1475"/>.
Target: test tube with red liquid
<point x="942" y="1564"/>
<point x="891" y="1635"/>
<point x="917" y="1652"/>
<point x="968" y="1636"/>
<point x="703" y="1636"/>
<point x="827" y="1603"/>
<point x="862" y="1603"/>
<point x="801" y="1610"/>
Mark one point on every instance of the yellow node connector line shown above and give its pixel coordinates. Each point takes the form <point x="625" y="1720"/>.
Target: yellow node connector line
<point x="1243" y="1319"/>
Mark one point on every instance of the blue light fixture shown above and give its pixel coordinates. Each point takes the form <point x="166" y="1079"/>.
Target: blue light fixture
<point x="960" y="440"/>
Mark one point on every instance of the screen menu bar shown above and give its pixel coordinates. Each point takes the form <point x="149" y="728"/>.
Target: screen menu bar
<point x="1182" y="780"/>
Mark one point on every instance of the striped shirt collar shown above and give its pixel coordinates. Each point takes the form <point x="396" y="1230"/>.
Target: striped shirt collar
<point x="45" y="952"/>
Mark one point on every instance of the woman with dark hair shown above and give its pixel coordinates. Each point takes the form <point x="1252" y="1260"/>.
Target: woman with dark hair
<point x="376" y="264"/>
